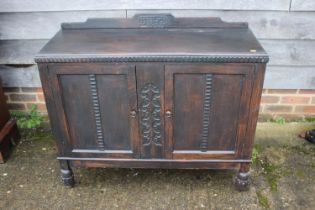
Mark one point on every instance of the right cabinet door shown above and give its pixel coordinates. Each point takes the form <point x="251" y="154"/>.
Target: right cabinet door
<point x="206" y="110"/>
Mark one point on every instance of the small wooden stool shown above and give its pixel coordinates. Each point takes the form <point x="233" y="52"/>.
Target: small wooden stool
<point x="9" y="137"/>
<point x="9" y="134"/>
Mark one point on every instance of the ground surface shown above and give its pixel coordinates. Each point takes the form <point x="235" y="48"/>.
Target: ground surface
<point x="282" y="178"/>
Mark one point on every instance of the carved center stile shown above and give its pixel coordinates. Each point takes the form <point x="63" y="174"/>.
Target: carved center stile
<point x="150" y="110"/>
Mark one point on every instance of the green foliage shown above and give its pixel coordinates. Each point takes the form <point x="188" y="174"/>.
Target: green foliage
<point x="310" y="119"/>
<point x="30" y="120"/>
<point x="280" y="120"/>
<point x="254" y="156"/>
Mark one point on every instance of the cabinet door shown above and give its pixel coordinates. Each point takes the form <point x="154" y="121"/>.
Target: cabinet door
<point x="97" y="106"/>
<point x="206" y="109"/>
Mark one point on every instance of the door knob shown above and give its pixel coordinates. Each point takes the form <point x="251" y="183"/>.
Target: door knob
<point x="168" y="113"/>
<point x="133" y="113"/>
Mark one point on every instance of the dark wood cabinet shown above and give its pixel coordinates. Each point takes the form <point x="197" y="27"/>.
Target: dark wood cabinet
<point x="153" y="92"/>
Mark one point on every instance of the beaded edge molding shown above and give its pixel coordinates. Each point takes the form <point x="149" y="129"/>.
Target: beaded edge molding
<point x="192" y="59"/>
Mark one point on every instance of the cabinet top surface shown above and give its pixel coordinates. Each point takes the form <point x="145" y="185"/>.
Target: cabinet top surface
<point x="184" y="38"/>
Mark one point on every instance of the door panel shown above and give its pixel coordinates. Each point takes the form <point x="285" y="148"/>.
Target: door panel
<point x="96" y="101"/>
<point x="188" y="110"/>
<point x="114" y="107"/>
<point x="209" y="105"/>
<point x="74" y="94"/>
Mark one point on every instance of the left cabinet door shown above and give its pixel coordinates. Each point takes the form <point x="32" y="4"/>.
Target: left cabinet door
<point x="96" y="105"/>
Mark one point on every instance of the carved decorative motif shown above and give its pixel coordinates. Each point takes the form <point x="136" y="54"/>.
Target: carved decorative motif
<point x="155" y="20"/>
<point x="152" y="58"/>
<point x="150" y="119"/>
<point x="97" y="114"/>
<point x="206" y="114"/>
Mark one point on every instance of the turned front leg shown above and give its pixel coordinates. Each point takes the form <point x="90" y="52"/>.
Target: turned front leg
<point x="66" y="173"/>
<point x="242" y="178"/>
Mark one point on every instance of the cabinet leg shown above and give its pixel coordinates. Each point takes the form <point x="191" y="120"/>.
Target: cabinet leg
<point x="242" y="178"/>
<point x="66" y="174"/>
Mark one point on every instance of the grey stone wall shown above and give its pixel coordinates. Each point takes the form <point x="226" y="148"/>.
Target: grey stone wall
<point x="284" y="27"/>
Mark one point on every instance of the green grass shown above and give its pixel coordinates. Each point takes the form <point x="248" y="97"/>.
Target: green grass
<point x="271" y="174"/>
<point x="255" y="156"/>
<point x="263" y="200"/>
<point x="310" y="119"/>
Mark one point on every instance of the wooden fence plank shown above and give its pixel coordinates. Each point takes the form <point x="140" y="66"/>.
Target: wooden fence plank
<point x="43" y="25"/>
<point x="290" y="52"/>
<point x="286" y="77"/>
<point x="20" y="77"/>
<point x="19" y="51"/>
<point x="264" y="24"/>
<point x="71" y="5"/>
<point x="303" y="5"/>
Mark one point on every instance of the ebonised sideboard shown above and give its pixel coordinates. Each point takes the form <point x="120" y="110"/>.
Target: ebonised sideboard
<point x="153" y="91"/>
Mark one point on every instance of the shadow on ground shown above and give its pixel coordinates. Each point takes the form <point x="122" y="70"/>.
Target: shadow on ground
<point x="282" y="178"/>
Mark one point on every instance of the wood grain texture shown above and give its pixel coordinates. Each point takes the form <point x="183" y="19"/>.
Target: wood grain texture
<point x="58" y="5"/>
<point x="19" y="51"/>
<point x="303" y="5"/>
<point x="290" y="77"/>
<point x="246" y="150"/>
<point x="265" y="24"/>
<point x="78" y="110"/>
<point x="290" y="52"/>
<point x="157" y="163"/>
<point x="153" y="44"/>
<point x="20" y="76"/>
<point x="43" y="25"/>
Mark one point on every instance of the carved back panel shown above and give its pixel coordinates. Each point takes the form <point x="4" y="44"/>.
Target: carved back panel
<point x="153" y="21"/>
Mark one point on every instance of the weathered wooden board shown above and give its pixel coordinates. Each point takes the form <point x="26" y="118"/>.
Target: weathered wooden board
<point x="61" y="5"/>
<point x="303" y="5"/>
<point x="264" y="24"/>
<point x="290" y="52"/>
<point x="19" y="51"/>
<point x="43" y="25"/>
<point x="20" y="77"/>
<point x="288" y="77"/>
